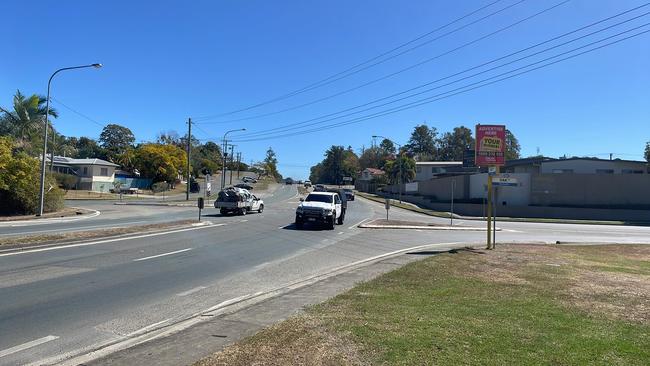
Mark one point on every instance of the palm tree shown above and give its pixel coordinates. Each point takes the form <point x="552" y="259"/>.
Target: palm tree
<point x="26" y="119"/>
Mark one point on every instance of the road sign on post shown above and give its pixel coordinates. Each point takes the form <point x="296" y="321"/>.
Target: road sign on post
<point x="200" y="204"/>
<point x="490" y="152"/>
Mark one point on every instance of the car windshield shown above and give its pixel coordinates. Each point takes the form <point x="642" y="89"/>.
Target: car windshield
<point x="319" y="198"/>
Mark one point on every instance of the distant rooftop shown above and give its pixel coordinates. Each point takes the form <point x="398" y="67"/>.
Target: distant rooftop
<point x="439" y="163"/>
<point x="72" y="161"/>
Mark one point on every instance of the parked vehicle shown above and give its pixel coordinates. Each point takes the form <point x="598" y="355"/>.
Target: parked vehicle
<point x="322" y="208"/>
<point x="124" y="190"/>
<point x="244" y="186"/>
<point x="320" y="188"/>
<point x="195" y="187"/>
<point x="237" y="200"/>
<point x="349" y="194"/>
<point x="249" y="180"/>
<point x="288" y="181"/>
<point x="307" y="183"/>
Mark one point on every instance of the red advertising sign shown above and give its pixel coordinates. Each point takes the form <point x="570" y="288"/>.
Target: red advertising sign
<point x="490" y="145"/>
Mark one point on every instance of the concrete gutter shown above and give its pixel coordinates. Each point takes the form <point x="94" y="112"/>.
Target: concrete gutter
<point x="424" y="227"/>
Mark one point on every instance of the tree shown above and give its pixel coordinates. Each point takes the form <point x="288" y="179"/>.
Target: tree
<point x="89" y="148"/>
<point x="116" y="139"/>
<point x="339" y="162"/>
<point x="453" y="144"/>
<point x="25" y="120"/>
<point x="19" y="183"/>
<point x="271" y="165"/>
<point x="512" y="146"/>
<point x="422" y="143"/>
<point x="206" y="157"/>
<point x="371" y="158"/>
<point x="647" y="152"/>
<point x="160" y="162"/>
<point x="387" y="147"/>
<point x="392" y="169"/>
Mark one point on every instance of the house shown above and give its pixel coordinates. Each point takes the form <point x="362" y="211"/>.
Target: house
<point x="93" y="174"/>
<point x="425" y="170"/>
<point x="525" y="165"/>
<point x="369" y="174"/>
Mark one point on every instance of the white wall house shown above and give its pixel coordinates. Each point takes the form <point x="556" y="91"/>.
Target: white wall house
<point x="93" y="174"/>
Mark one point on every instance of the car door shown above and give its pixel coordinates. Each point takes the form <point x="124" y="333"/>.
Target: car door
<point x="337" y="205"/>
<point x="255" y="204"/>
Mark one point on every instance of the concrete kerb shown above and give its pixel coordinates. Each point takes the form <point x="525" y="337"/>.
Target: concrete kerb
<point x="424" y="227"/>
<point x="53" y="220"/>
<point x="226" y="307"/>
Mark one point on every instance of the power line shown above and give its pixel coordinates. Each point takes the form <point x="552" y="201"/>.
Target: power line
<point x="306" y="124"/>
<point x="374" y="81"/>
<point x="77" y="112"/>
<point x="464" y="89"/>
<point x="350" y="71"/>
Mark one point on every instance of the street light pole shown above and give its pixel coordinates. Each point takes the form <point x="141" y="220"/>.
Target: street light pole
<point x="46" y="125"/>
<point x="224" y="153"/>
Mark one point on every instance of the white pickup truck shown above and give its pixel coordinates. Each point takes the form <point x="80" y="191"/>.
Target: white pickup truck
<point x="320" y="207"/>
<point x="238" y="200"/>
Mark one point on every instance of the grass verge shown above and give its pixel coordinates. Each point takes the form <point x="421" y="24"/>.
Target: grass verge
<point x="62" y="237"/>
<point x="519" y="305"/>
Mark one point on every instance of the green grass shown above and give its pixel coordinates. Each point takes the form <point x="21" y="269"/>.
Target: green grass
<point x="429" y="313"/>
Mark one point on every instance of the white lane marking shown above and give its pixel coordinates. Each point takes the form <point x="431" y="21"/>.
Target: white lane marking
<point x="189" y="292"/>
<point x="162" y="255"/>
<point x="512" y="231"/>
<point x="106" y="241"/>
<point x="261" y="265"/>
<point x="358" y="223"/>
<point x="24" y="346"/>
<point x="340" y="232"/>
<point x="243" y="220"/>
<point x="148" y="327"/>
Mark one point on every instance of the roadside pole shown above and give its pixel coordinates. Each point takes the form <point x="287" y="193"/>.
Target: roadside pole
<point x="225" y="157"/>
<point x="232" y="160"/>
<point x="387" y="207"/>
<point x="494" y="215"/>
<point x="451" y="216"/>
<point x="238" y="163"/>
<point x="489" y="212"/>
<point x="189" y="148"/>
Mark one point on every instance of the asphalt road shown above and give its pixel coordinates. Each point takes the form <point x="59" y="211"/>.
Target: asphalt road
<point x="59" y="301"/>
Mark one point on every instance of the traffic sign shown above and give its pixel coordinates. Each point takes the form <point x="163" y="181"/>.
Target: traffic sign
<point x="505" y="182"/>
<point x="347" y="179"/>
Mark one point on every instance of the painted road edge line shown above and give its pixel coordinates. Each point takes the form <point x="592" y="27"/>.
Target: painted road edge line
<point x="27" y="251"/>
<point x="162" y="255"/>
<point x="30" y="344"/>
<point x="191" y="291"/>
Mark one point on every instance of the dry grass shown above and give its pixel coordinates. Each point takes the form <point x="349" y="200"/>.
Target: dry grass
<point x="300" y="340"/>
<point x="86" y="235"/>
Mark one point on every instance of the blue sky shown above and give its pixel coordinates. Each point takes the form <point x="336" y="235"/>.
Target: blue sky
<point x="165" y="61"/>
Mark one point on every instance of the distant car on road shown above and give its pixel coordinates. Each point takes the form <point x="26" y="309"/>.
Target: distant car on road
<point x="238" y="200"/>
<point x="349" y="194"/>
<point x="244" y="186"/>
<point x="249" y="180"/>
<point x="320" y="188"/>
<point x="307" y="183"/>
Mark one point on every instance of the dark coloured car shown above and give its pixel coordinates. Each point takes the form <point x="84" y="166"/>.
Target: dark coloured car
<point x="244" y="186"/>
<point x="349" y="194"/>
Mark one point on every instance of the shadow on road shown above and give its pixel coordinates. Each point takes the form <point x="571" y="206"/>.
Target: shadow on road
<point x="305" y="227"/>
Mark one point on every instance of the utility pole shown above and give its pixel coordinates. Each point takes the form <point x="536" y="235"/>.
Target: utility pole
<point x="232" y="160"/>
<point x="189" y="151"/>
<point x="238" y="163"/>
<point x="225" y="156"/>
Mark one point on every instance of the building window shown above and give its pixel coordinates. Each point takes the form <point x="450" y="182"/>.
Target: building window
<point x="632" y="171"/>
<point x="104" y="172"/>
<point x="604" y="171"/>
<point x="85" y="170"/>
<point x="562" y="171"/>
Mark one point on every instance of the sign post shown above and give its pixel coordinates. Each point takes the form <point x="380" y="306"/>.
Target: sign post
<point x="200" y="204"/>
<point x="490" y="152"/>
<point x="387" y="205"/>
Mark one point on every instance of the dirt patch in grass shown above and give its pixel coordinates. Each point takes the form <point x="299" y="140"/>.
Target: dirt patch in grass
<point x="64" y="237"/>
<point x="297" y="341"/>
<point x="65" y="212"/>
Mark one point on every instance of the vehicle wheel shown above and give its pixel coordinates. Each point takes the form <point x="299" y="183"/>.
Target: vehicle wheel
<point x="261" y="209"/>
<point x="298" y="224"/>
<point x="340" y="220"/>
<point x="223" y="211"/>
<point x="331" y="222"/>
<point x="243" y="212"/>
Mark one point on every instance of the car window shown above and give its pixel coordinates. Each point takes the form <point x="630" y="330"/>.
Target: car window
<point x="337" y="200"/>
<point x="319" y="198"/>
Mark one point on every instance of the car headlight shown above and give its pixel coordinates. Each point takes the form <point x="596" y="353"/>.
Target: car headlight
<point x="299" y="209"/>
<point x="327" y="211"/>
